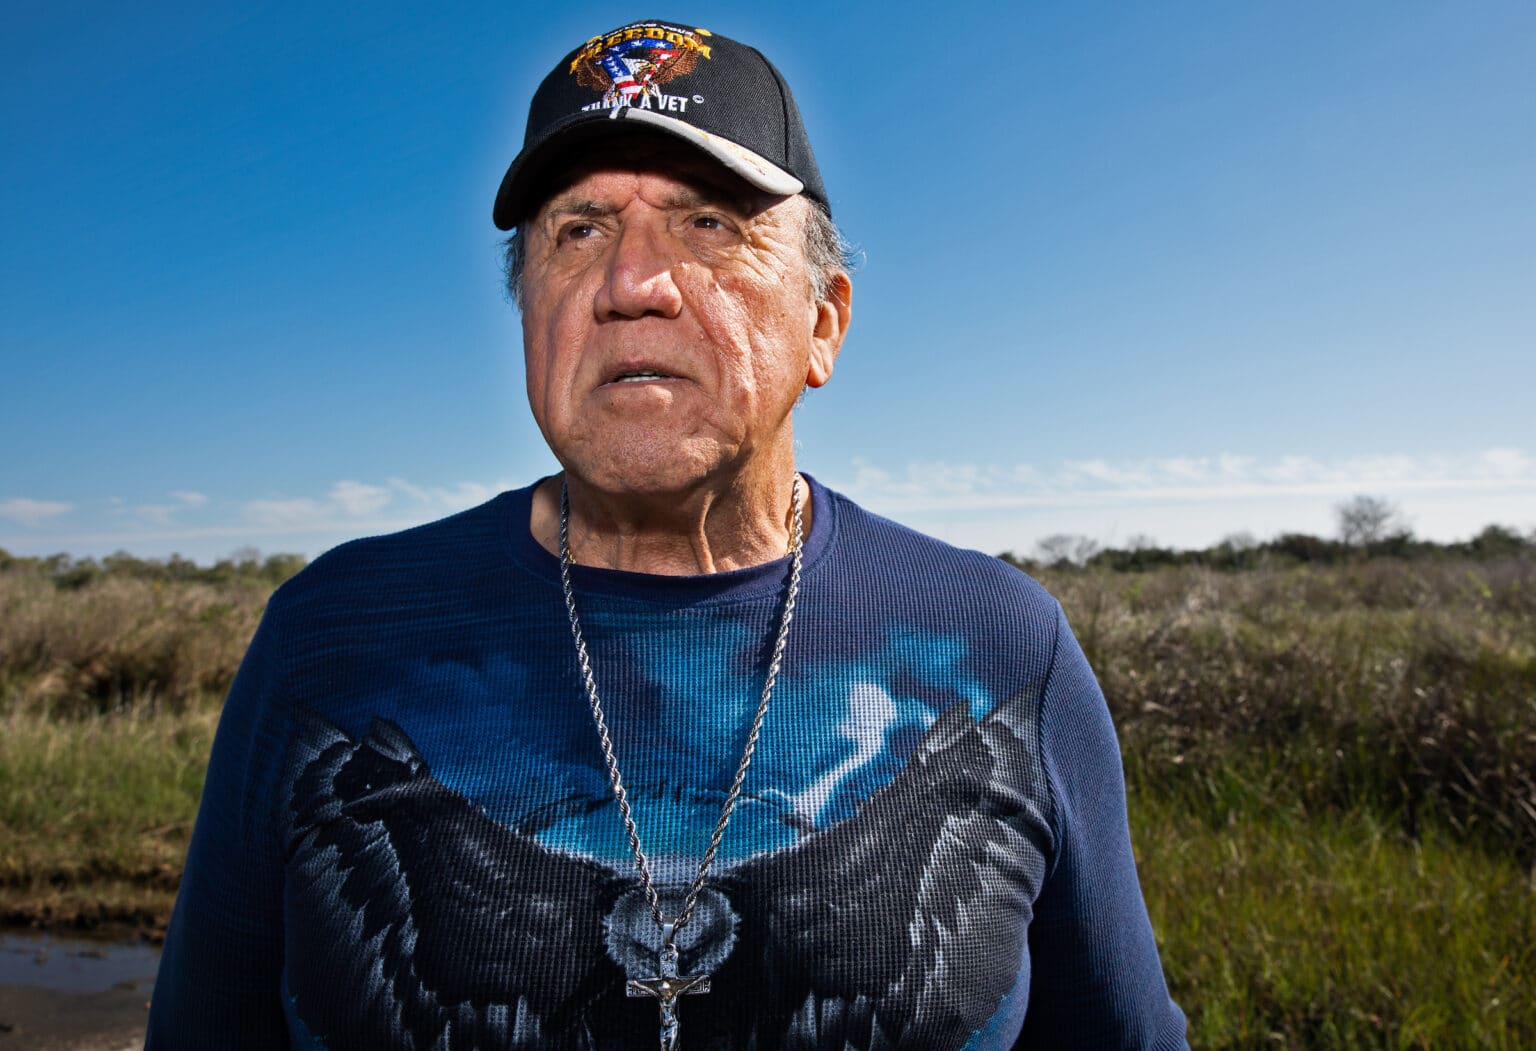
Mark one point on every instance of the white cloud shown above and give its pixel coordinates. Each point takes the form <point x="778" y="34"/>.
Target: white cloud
<point x="357" y="500"/>
<point x="1192" y="501"/>
<point x="32" y="512"/>
<point x="192" y="524"/>
<point x="1506" y="463"/>
<point x="1230" y="466"/>
<point x="447" y="498"/>
<point x="288" y="514"/>
<point x="163" y="514"/>
<point x="353" y="508"/>
<point x="929" y="486"/>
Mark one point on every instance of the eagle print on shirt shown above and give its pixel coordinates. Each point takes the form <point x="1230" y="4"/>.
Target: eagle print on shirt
<point x="417" y="918"/>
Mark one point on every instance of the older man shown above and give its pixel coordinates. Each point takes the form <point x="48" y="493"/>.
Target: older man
<point x="677" y="747"/>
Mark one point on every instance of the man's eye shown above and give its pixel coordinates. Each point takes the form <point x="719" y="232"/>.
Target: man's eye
<point x="577" y="231"/>
<point x="708" y="222"/>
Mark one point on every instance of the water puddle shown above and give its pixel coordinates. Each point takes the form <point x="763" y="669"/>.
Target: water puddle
<point x="74" y="965"/>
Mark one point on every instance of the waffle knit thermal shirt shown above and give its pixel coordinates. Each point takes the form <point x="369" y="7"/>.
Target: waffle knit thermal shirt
<point x="407" y="837"/>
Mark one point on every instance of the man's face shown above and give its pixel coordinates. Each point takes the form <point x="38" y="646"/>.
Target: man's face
<point x="669" y="324"/>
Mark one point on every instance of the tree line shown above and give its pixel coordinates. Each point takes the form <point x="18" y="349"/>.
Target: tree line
<point x="245" y="566"/>
<point x="1368" y="527"/>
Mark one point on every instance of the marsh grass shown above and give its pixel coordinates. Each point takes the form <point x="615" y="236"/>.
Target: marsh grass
<point x="96" y="811"/>
<point x="1406" y="690"/>
<point x="1332" y="779"/>
<point x="109" y="694"/>
<point x="1330" y="774"/>
<point x="120" y="643"/>
<point x="1289" y="930"/>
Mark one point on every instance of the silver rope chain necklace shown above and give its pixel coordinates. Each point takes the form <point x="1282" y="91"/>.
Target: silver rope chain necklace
<point x="667" y="985"/>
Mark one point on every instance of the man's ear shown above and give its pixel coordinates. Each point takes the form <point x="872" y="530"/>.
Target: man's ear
<point x="832" y="317"/>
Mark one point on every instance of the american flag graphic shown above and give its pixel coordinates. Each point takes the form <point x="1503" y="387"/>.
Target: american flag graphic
<point x="631" y="74"/>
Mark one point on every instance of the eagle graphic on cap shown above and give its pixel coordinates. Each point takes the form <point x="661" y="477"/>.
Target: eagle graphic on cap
<point x="638" y="59"/>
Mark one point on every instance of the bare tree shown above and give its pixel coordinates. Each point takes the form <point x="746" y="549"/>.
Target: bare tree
<point x="1242" y="540"/>
<point x="1066" y="549"/>
<point x="1366" y="520"/>
<point x="1054" y="549"/>
<point x="245" y="555"/>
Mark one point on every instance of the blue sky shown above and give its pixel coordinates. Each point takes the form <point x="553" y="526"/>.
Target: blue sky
<point x="1174" y="270"/>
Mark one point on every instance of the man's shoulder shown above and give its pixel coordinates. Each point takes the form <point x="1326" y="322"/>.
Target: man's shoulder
<point x="957" y="604"/>
<point x="401" y="567"/>
<point x="921" y="561"/>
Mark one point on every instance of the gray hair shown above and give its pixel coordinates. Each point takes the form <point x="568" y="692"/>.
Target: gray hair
<point x="827" y="252"/>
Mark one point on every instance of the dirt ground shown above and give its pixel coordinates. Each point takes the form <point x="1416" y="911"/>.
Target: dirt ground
<point x="47" y="1020"/>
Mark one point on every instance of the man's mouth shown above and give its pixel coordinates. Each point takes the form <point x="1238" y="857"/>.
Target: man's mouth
<point x="640" y="376"/>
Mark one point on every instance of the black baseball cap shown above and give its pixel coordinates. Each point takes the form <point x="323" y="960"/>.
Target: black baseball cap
<point x="719" y="96"/>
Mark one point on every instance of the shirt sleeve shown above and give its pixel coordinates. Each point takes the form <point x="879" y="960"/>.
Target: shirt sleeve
<point x="1096" y="980"/>
<point x="220" y="973"/>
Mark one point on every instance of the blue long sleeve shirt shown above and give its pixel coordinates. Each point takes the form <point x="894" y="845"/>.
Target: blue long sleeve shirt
<point x="408" y="839"/>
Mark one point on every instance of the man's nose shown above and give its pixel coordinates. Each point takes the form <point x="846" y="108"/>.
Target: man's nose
<point x="639" y="278"/>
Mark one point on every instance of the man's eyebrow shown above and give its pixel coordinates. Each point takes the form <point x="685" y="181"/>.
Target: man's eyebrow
<point x="709" y="194"/>
<point x="582" y="207"/>
<point x="702" y="195"/>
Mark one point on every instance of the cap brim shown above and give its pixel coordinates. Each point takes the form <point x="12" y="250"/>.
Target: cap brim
<point x="513" y="203"/>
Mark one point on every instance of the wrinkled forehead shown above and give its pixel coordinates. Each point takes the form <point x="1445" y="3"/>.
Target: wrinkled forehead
<point x="655" y="154"/>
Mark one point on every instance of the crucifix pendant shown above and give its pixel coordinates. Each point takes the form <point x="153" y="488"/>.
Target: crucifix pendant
<point x="668" y="986"/>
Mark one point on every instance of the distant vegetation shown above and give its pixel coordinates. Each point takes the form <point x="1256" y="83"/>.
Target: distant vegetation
<point x="1332" y="777"/>
<point x="111" y="678"/>
<point x="81" y="637"/>
<point x="1241" y="551"/>
<point x="246" y="567"/>
<point x="1330" y="751"/>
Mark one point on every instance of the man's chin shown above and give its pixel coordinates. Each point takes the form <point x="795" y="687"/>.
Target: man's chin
<point x="639" y="469"/>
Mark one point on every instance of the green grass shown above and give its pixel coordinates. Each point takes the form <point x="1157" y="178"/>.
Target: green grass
<point x="1410" y="696"/>
<point x="95" y="814"/>
<point x="1286" y="930"/>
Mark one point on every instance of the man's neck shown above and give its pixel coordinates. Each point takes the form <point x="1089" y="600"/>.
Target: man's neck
<point x="709" y="530"/>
